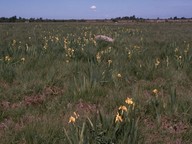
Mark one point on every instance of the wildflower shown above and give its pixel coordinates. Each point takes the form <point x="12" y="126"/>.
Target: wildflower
<point x="45" y="46"/>
<point x="155" y="91"/>
<point x="157" y="62"/>
<point x="7" y="58"/>
<point x="76" y="115"/>
<point x="70" y="52"/>
<point x="14" y="42"/>
<point x="56" y="39"/>
<point x="167" y="61"/>
<point x="65" y="46"/>
<point x="186" y="51"/>
<point x="176" y="50"/>
<point x="23" y="59"/>
<point x="180" y="57"/>
<point x="119" y="75"/>
<point x="65" y="40"/>
<point x="136" y="47"/>
<point x="85" y="34"/>
<point x="129" y="101"/>
<point x="72" y="119"/>
<point x="98" y="57"/>
<point x="95" y="43"/>
<point x="27" y="47"/>
<point x="123" y="108"/>
<point x="109" y="62"/>
<point x="129" y="54"/>
<point x="118" y="118"/>
<point x="67" y="61"/>
<point x="109" y="49"/>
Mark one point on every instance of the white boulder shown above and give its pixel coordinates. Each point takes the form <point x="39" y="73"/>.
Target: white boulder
<point x="103" y="37"/>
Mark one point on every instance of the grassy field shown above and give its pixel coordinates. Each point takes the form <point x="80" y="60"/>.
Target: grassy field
<point x="59" y="85"/>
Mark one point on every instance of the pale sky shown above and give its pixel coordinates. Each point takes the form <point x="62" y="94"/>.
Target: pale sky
<point x="95" y="9"/>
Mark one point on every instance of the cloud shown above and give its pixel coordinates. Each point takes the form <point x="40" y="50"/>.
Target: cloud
<point x="93" y="7"/>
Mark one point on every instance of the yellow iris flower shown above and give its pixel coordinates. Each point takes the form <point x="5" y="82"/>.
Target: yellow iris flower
<point x="118" y="118"/>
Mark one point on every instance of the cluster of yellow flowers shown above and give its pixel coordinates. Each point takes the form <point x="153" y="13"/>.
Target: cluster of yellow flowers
<point x="69" y="52"/>
<point x="100" y="53"/>
<point x="179" y="53"/>
<point x="92" y="40"/>
<point x="7" y="58"/>
<point x="46" y="43"/>
<point x="119" y="115"/>
<point x="65" y="43"/>
<point x="123" y="108"/>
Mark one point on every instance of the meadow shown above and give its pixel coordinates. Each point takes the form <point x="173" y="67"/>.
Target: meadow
<point x="60" y="85"/>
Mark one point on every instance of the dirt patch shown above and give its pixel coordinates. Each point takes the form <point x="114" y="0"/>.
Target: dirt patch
<point x="4" y="85"/>
<point x="169" y="131"/>
<point x="34" y="99"/>
<point x="83" y="108"/>
<point x="173" y="126"/>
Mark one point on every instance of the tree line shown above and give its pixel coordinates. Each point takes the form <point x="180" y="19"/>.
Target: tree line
<point x="133" y="18"/>
<point x="20" y="19"/>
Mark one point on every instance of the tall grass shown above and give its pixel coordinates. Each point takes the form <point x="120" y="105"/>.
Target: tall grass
<point x="50" y="70"/>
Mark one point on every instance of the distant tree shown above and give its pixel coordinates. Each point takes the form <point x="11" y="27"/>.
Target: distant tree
<point x="39" y="19"/>
<point x="132" y="17"/>
<point x="125" y="18"/>
<point x="13" y="19"/>
<point x="118" y="18"/>
<point x="175" y="18"/>
<point x="31" y="19"/>
<point x="20" y="19"/>
<point x="82" y="20"/>
<point x="3" y="19"/>
<point x="114" y="20"/>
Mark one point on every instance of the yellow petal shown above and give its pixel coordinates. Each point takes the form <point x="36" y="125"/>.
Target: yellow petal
<point x="129" y="101"/>
<point x="71" y="119"/>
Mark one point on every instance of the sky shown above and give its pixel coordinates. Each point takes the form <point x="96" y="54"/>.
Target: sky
<point x="95" y="9"/>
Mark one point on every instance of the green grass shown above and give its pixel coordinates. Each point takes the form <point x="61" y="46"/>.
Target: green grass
<point x="50" y="70"/>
